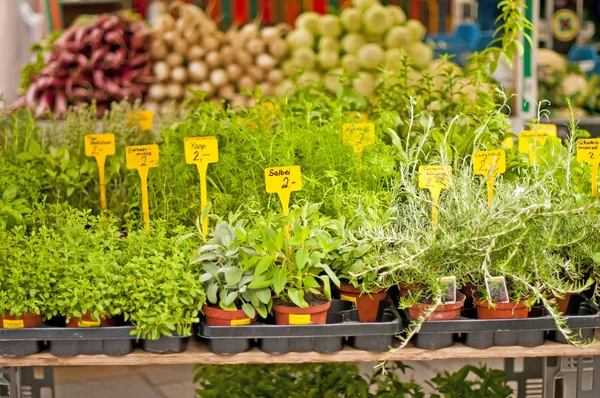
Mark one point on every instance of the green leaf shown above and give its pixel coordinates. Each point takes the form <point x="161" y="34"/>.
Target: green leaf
<point x="233" y="276"/>
<point x="279" y="280"/>
<point x="249" y="310"/>
<point x="301" y="257"/>
<point x="230" y="298"/>
<point x="361" y="250"/>
<point x="297" y="298"/>
<point x="262" y="310"/>
<point x="263" y="265"/>
<point x="205" y="277"/>
<point x="264" y="295"/>
<point x="331" y="274"/>
<point x="259" y="282"/>
<point x="326" y="286"/>
<point x="211" y="293"/>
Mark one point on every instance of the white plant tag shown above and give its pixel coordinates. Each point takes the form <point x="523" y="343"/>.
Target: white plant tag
<point x="496" y="287"/>
<point x="449" y="289"/>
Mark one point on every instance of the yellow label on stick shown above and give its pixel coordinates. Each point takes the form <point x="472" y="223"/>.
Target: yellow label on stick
<point x="100" y="146"/>
<point x="13" y="323"/>
<point x="539" y="135"/>
<point x="240" y="322"/>
<point x="88" y="324"/>
<point x="347" y="298"/>
<point x="201" y="151"/>
<point x="299" y="319"/>
<point x="141" y="118"/>
<point x="588" y="150"/>
<point x="435" y="178"/>
<point x="489" y="163"/>
<point x="283" y="181"/>
<point x="142" y="158"/>
<point x="359" y="135"/>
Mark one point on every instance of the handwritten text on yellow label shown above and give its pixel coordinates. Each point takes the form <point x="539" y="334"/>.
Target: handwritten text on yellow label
<point x="13" y="324"/>
<point x="484" y="161"/>
<point x="201" y="149"/>
<point x="588" y="150"/>
<point x="527" y="138"/>
<point x="142" y="156"/>
<point x="283" y="179"/>
<point x="299" y="319"/>
<point x="434" y="178"/>
<point x="99" y="144"/>
<point x="358" y="135"/>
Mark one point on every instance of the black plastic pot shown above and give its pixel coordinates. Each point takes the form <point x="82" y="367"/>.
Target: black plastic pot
<point x="342" y="327"/>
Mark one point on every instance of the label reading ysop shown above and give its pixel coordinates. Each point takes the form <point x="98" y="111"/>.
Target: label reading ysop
<point x="348" y="298"/>
<point x="142" y="156"/>
<point x="141" y="118"/>
<point x="88" y="324"/>
<point x="299" y="319"/>
<point x="13" y="323"/>
<point x="99" y="144"/>
<point x="240" y="322"/>
<point x="496" y="287"/>
<point x="201" y="149"/>
<point x="358" y="135"/>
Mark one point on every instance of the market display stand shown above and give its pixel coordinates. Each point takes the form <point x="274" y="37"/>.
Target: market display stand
<point x="549" y="371"/>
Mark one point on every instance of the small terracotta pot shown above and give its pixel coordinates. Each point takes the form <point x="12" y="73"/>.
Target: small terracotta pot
<point x="86" y="321"/>
<point x="441" y="312"/>
<point x="367" y="304"/>
<point x="285" y="315"/>
<point x="563" y="303"/>
<point x="501" y="311"/>
<point x="26" y="320"/>
<point x="220" y="317"/>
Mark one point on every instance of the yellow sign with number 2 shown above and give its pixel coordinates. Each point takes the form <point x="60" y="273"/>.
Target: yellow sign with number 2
<point x="588" y="150"/>
<point x="488" y="164"/>
<point x="434" y="179"/>
<point x="201" y="151"/>
<point x="142" y="158"/>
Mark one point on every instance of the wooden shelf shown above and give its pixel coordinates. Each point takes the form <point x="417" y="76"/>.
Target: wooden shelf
<point x="197" y="353"/>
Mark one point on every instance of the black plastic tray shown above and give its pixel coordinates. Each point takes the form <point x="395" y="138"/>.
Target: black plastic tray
<point x="527" y="332"/>
<point x="342" y="327"/>
<point x="66" y="342"/>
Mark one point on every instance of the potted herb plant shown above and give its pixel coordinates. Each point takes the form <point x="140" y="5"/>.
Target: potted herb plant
<point x="295" y="267"/>
<point x="228" y="263"/>
<point x="348" y="261"/>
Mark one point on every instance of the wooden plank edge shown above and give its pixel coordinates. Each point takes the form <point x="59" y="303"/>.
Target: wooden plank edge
<point x="197" y="353"/>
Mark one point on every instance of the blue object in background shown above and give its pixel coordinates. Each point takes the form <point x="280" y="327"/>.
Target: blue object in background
<point x="587" y="58"/>
<point x="466" y="39"/>
<point x="487" y="11"/>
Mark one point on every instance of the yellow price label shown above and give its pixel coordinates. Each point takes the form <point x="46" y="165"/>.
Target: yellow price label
<point x="489" y="164"/>
<point x="358" y="135"/>
<point x="141" y="118"/>
<point x="588" y="150"/>
<point x="142" y="158"/>
<point x="299" y="319"/>
<point x="13" y="323"/>
<point x="240" y="322"/>
<point x="508" y="143"/>
<point x="201" y="151"/>
<point x="88" y="324"/>
<point x="528" y="137"/>
<point x="100" y="146"/>
<point x="551" y="129"/>
<point x="283" y="179"/>
<point x="435" y="178"/>
<point x="348" y="298"/>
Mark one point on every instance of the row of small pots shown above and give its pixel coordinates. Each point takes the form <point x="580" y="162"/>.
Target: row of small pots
<point x="367" y="305"/>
